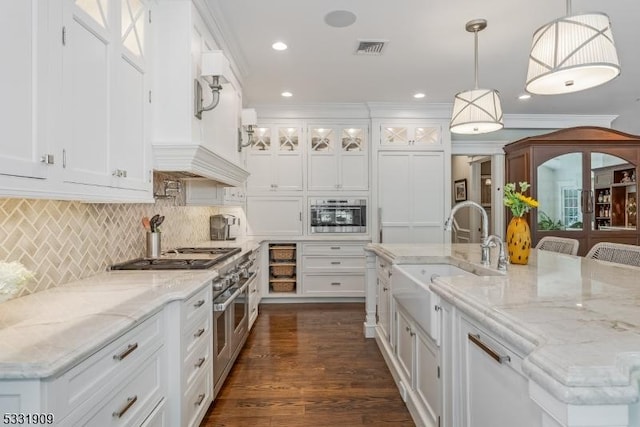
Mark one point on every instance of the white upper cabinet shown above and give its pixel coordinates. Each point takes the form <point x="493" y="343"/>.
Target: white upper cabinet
<point x="105" y="93"/>
<point x="413" y="136"/>
<point x="274" y="159"/>
<point x="338" y="158"/>
<point x="24" y="141"/>
<point x="87" y="59"/>
<point x="77" y="100"/>
<point x="131" y="112"/>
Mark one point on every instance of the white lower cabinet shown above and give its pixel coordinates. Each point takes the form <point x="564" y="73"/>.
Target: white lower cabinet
<point x="119" y="385"/>
<point x="418" y="359"/>
<point x="383" y="306"/>
<point x="494" y="391"/>
<point x="190" y="358"/>
<point x="254" y="287"/>
<point x="333" y="269"/>
<point x="158" y="418"/>
<point x="134" y="400"/>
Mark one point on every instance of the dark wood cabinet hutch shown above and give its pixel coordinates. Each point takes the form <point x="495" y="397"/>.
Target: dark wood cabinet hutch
<point x="585" y="181"/>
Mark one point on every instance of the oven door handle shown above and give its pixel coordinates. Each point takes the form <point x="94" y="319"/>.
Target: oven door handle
<point x="218" y="307"/>
<point x="222" y="306"/>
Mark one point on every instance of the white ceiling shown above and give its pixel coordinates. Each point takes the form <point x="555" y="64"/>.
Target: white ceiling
<point x="428" y="51"/>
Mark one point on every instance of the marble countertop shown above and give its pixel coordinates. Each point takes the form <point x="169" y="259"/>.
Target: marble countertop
<point x="575" y="321"/>
<point x="46" y="333"/>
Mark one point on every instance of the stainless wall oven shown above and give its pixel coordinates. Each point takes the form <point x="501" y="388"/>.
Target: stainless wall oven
<point x="338" y="216"/>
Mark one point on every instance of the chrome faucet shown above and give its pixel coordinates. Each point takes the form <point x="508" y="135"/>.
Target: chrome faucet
<point x="484" y="245"/>
<point x="502" y="257"/>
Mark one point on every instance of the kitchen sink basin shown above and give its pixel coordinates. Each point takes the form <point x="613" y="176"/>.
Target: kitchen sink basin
<point x="410" y="290"/>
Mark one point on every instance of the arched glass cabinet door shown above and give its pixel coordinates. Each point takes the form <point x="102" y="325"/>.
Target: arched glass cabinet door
<point x="613" y="180"/>
<point x="559" y="188"/>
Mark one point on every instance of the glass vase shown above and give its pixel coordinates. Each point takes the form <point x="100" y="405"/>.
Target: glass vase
<point x="518" y="240"/>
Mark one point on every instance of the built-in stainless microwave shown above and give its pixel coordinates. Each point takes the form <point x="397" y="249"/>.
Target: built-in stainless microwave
<point x="338" y="215"/>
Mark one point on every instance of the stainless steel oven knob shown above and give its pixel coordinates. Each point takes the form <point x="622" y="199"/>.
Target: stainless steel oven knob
<point x="218" y="285"/>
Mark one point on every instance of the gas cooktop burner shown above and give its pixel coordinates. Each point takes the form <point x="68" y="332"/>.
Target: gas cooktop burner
<point x="213" y="251"/>
<point x="208" y="258"/>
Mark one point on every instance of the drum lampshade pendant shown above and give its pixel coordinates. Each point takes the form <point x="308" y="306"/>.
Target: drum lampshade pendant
<point x="571" y="54"/>
<point x="476" y="111"/>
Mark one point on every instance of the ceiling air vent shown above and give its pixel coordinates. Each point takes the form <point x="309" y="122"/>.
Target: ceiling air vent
<point x="370" y="47"/>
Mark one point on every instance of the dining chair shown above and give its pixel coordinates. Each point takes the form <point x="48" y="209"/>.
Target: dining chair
<point x="561" y="245"/>
<point x="616" y="252"/>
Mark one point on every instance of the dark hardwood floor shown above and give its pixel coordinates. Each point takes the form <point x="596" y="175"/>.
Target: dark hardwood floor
<point x="309" y="365"/>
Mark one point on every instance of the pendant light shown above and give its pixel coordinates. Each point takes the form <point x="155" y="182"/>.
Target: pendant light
<point x="476" y="111"/>
<point x="571" y="54"/>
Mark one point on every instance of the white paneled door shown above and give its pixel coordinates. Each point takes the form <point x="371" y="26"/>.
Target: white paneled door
<point x="411" y="197"/>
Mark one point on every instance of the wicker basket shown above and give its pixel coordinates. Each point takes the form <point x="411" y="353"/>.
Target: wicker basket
<point x="283" y="286"/>
<point x="283" y="252"/>
<point x="283" y="269"/>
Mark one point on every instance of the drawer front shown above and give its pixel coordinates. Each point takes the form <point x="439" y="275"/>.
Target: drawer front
<point x="337" y="249"/>
<point x="199" y="332"/>
<point x="315" y="263"/>
<point x="196" y="363"/>
<point x="105" y="370"/>
<point x="158" y="417"/>
<point x="196" y="401"/>
<point x="134" y="401"/>
<point x="197" y="304"/>
<point x="328" y="285"/>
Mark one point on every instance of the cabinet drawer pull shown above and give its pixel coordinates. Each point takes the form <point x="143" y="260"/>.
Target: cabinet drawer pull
<point x="126" y="407"/>
<point x="385" y="289"/>
<point x="128" y="351"/>
<point x="200" y="362"/>
<point x="336" y="262"/>
<point x="335" y="283"/>
<point x="200" y="399"/>
<point x="335" y="248"/>
<point x="408" y="329"/>
<point x="199" y="333"/>
<point x="200" y="303"/>
<point x="475" y="338"/>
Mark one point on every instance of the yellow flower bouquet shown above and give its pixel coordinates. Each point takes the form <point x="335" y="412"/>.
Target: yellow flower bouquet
<point x="516" y="200"/>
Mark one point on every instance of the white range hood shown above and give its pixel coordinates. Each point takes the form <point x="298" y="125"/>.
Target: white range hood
<point x="195" y="160"/>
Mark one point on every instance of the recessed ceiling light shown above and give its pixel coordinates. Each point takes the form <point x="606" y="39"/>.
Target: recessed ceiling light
<point x="419" y="95"/>
<point x="286" y="94"/>
<point x="524" y="97"/>
<point x="340" y="18"/>
<point x="279" y="46"/>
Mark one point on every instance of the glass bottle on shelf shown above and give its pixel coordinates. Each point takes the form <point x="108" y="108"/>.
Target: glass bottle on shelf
<point x="600" y="197"/>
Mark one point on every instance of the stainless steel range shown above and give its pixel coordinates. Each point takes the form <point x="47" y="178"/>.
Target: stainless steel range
<point x="230" y="296"/>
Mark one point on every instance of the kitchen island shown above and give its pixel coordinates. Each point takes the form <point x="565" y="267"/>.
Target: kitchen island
<point x="570" y="327"/>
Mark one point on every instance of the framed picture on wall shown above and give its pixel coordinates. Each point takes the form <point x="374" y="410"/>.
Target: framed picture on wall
<point x="460" y="190"/>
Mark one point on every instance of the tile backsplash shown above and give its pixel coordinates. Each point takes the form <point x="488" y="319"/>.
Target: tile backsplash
<point x="62" y="241"/>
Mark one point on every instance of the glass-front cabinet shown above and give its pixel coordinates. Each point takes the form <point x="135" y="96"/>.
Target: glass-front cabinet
<point x="585" y="182"/>
<point x="338" y="158"/>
